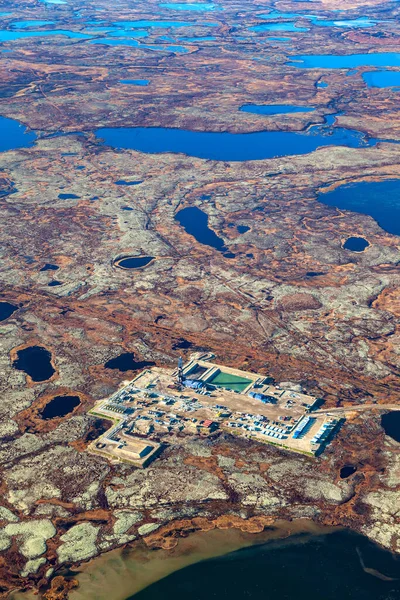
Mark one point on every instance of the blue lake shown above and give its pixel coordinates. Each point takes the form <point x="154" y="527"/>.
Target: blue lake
<point x="231" y="146"/>
<point x="8" y="36"/>
<point x="321" y="22"/>
<point x="141" y="82"/>
<point x="23" y="24"/>
<point x="279" y="39"/>
<point x="136" y="44"/>
<point x="196" y="6"/>
<point x="275" y="109"/>
<point x="163" y="24"/>
<point x="13" y="135"/>
<point x="380" y="200"/>
<point x="349" y="61"/>
<point x="195" y="223"/>
<point x="277" y="27"/>
<point x="382" y="79"/>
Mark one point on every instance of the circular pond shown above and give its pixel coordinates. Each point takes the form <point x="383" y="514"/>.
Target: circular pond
<point x="59" y="406"/>
<point x="133" y="262"/>
<point x="35" y="361"/>
<point x="356" y="244"/>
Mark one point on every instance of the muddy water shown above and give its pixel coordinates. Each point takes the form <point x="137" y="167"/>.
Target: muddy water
<point x="119" y="574"/>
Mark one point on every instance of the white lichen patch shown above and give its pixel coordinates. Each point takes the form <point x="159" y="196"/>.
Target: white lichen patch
<point x="125" y="520"/>
<point x="79" y="543"/>
<point x="31" y="536"/>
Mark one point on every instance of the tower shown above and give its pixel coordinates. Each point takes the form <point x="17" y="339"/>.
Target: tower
<point x="180" y="371"/>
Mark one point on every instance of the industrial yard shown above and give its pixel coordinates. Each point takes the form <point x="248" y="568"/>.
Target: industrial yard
<point x="199" y="398"/>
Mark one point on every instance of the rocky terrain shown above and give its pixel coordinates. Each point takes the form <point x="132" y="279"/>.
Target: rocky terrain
<point x="291" y="303"/>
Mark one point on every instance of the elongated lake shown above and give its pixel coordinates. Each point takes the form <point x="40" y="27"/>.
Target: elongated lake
<point x="231" y="146"/>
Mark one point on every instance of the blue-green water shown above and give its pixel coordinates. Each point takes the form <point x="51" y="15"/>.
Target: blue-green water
<point x="275" y="109"/>
<point x="163" y="24"/>
<point x="278" y="27"/>
<point x="232" y="146"/>
<point x="349" y="61"/>
<point x="136" y="44"/>
<point x="24" y="24"/>
<point x="8" y="36"/>
<point x="195" y="6"/>
<point x="13" y="135"/>
<point x="338" y="566"/>
<point x="321" y="22"/>
<point x="382" y="79"/>
<point x="141" y="82"/>
<point x="380" y="200"/>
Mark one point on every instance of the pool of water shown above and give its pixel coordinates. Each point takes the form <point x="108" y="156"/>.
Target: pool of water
<point x="35" y="361"/>
<point x="125" y="362"/>
<point x="278" y="27"/>
<point x="195" y="6"/>
<point x="136" y="44"/>
<point x="231" y="146"/>
<point x="339" y="565"/>
<point x="68" y="197"/>
<point x="59" y="406"/>
<point x="356" y="244"/>
<point x="380" y="200"/>
<point x="321" y="22"/>
<point x="163" y="24"/>
<point x="54" y="1"/>
<point x="134" y="262"/>
<point x="349" y="61"/>
<point x="50" y="267"/>
<point x="195" y="223"/>
<point x="391" y="424"/>
<point x="229" y="382"/>
<point x="128" y="183"/>
<point x="279" y="39"/>
<point x="347" y="470"/>
<point x="142" y="82"/>
<point x="382" y="79"/>
<point x="6" y="310"/>
<point x="9" y="36"/>
<point x="14" y="135"/>
<point x="25" y="24"/>
<point x="275" y="109"/>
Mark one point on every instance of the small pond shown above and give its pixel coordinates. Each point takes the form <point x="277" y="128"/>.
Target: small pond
<point x="356" y="244"/>
<point x="133" y="262"/>
<point x="195" y="223"/>
<point x="35" y="361"/>
<point x="346" y="471"/>
<point x="391" y="424"/>
<point x="50" y="267"/>
<point x="68" y="197"/>
<point x="141" y="82"/>
<point x="123" y="182"/>
<point x="59" y="406"/>
<point x="6" y="310"/>
<point x="126" y="362"/>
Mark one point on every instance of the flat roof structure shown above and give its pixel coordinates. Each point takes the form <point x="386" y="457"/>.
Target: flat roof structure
<point x="200" y="398"/>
